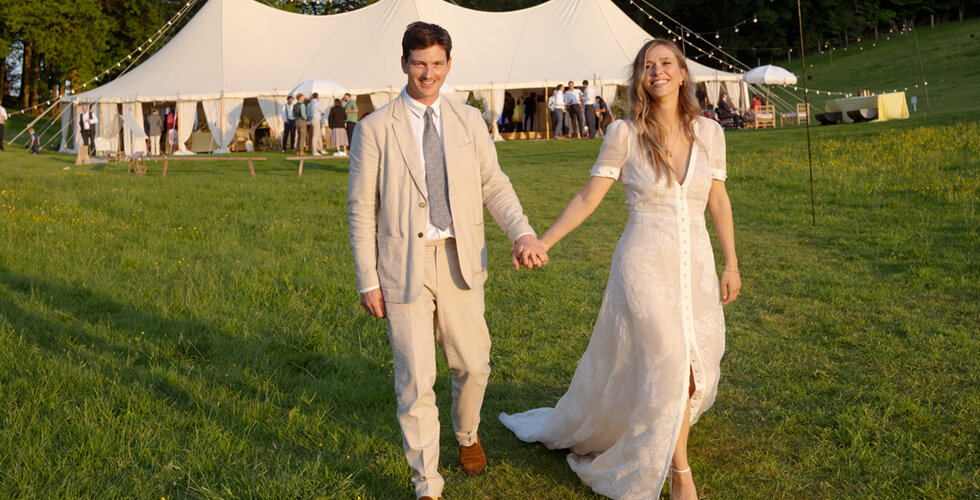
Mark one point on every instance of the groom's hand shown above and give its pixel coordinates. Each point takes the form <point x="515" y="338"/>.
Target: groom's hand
<point x="529" y="252"/>
<point x="374" y="302"/>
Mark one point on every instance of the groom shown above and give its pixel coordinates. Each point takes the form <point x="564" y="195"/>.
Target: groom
<point x="421" y="170"/>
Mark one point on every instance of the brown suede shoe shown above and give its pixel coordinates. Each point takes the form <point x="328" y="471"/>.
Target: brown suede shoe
<point x="472" y="459"/>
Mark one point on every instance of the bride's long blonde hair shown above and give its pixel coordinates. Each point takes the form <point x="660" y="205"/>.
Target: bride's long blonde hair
<point x="646" y="118"/>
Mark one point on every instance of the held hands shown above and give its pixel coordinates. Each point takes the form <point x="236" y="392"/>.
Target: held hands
<point x="374" y="302"/>
<point x="529" y="252"/>
<point x="731" y="284"/>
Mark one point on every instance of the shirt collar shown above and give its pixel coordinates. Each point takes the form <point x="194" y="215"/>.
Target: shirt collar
<point x="418" y="109"/>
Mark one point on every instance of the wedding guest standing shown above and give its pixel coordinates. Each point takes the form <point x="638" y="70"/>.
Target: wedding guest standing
<point x="588" y="106"/>
<point x="605" y="116"/>
<point x="288" y="125"/>
<point x="653" y="362"/>
<point x="573" y="104"/>
<point x="87" y="121"/>
<point x="316" y="114"/>
<point x="530" y="108"/>
<point x="154" y="124"/>
<point x="556" y="103"/>
<point x="337" y="119"/>
<point x="350" y="108"/>
<point x="299" y="112"/>
<point x="3" y="118"/>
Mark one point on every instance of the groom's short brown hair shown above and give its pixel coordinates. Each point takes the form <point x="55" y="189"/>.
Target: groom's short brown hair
<point x="421" y="35"/>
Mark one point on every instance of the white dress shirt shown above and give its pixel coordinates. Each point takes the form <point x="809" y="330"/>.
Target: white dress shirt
<point x="3" y="114"/>
<point x="589" y="97"/>
<point x="417" y="117"/>
<point x="314" y="110"/>
<point x="559" y="100"/>
<point x="571" y="97"/>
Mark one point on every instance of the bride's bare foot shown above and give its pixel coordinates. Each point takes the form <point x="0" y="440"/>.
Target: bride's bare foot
<point x="682" y="484"/>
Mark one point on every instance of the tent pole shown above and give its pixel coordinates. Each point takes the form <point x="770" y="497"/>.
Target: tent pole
<point x="547" y="118"/>
<point x="806" y="101"/>
<point x="492" y="117"/>
<point x="177" y="121"/>
<point x="221" y="122"/>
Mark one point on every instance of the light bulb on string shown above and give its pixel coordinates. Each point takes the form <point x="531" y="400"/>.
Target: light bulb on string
<point x="717" y="36"/>
<point x="755" y="19"/>
<point x="736" y="29"/>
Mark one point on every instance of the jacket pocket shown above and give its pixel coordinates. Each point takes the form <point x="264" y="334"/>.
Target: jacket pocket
<point x="392" y="260"/>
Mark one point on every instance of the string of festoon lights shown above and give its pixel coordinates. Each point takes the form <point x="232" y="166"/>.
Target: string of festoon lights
<point x="710" y="54"/>
<point x="132" y="58"/>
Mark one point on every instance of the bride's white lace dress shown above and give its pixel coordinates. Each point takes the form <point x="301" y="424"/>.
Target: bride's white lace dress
<point x="660" y="320"/>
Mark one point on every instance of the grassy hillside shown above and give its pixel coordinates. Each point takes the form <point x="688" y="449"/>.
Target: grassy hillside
<point x="950" y="59"/>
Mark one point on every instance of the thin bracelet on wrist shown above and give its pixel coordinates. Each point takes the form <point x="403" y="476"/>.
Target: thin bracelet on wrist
<point x="730" y="271"/>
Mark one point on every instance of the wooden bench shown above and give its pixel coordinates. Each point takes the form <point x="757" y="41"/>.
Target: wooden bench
<point x="167" y="159"/>
<point x="304" y="158"/>
<point x="137" y="163"/>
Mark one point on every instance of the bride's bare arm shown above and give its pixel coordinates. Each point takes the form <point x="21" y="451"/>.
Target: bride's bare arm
<point x="720" y="208"/>
<point x="578" y="209"/>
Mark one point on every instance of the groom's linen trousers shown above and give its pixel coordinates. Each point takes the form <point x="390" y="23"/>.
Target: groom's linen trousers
<point x="455" y="311"/>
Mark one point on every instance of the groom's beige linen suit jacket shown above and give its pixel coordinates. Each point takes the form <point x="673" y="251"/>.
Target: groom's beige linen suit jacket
<point x="387" y="198"/>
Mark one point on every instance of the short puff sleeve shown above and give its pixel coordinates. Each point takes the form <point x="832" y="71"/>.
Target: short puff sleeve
<point x="614" y="151"/>
<point x="714" y="138"/>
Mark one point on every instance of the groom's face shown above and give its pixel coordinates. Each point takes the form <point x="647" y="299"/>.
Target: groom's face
<point x="426" y="69"/>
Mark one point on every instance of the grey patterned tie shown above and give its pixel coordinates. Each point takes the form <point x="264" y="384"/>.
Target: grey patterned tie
<point x="435" y="174"/>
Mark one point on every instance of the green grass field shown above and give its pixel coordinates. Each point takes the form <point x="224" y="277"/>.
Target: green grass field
<point x="199" y="335"/>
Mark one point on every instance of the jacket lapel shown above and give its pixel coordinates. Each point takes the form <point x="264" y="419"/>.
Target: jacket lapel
<point x="407" y="143"/>
<point x="453" y="136"/>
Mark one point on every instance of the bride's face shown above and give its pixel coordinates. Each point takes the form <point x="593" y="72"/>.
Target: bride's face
<point x="664" y="74"/>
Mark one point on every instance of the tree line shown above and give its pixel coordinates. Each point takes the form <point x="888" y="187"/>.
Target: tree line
<point x="51" y="46"/>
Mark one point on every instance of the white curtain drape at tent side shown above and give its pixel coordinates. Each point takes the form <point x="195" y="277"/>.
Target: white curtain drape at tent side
<point x="186" y="117"/>
<point x="713" y="90"/>
<point x="738" y="94"/>
<point x="608" y="94"/>
<point x="134" y="137"/>
<point x="222" y="118"/>
<point x="77" y="135"/>
<point x="233" y="113"/>
<point x="271" y="107"/>
<point x="109" y="123"/>
<point x="67" y="128"/>
<point x="212" y="115"/>
<point x="494" y="102"/>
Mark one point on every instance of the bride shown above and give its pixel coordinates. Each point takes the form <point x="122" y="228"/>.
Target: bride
<point x="652" y="364"/>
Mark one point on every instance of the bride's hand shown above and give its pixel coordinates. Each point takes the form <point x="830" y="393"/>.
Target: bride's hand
<point x="731" y="284"/>
<point x="529" y="252"/>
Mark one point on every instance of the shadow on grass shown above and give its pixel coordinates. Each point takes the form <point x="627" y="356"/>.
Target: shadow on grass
<point x="107" y="336"/>
<point x="102" y="333"/>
